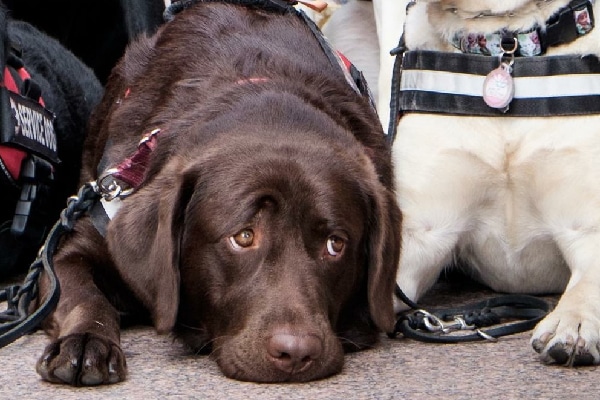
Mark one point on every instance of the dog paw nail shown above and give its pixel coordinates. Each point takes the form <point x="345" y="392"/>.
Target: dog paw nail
<point x="570" y="341"/>
<point x="113" y="375"/>
<point x="92" y="378"/>
<point x="65" y="374"/>
<point x="545" y="337"/>
<point x="113" y="378"/>
<point x="538" y="345"/>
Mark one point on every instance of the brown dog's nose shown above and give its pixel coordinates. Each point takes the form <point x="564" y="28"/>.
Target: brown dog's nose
<point x="294" y="353"/>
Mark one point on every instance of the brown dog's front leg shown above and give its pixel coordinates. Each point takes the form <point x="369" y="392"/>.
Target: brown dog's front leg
<point x="85" y="349"/>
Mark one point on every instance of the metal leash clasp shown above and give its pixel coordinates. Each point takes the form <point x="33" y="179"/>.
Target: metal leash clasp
<point x="109" y="188"/>
<point x="435" y="324"/>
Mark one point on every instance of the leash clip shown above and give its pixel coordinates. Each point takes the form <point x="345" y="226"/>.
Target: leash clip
<point x="435" y="324"/>
<point x="107" y="186"/>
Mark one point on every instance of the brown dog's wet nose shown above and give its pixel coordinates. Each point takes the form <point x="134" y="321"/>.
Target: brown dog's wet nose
<point x="293" y="353"/>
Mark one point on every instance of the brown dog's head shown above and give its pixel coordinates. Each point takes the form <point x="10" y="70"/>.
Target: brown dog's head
<point x="275" y="248"/>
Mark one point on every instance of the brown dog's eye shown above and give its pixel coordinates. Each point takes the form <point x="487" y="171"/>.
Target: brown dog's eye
<point x="242" y="239"/>
<point x="335" y="245"/>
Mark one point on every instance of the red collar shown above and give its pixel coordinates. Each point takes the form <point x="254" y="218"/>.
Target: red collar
<point x="130" y="171"/>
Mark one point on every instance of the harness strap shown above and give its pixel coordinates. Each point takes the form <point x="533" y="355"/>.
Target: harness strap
<point x="277" y="6"/>
<point x="452" y="83"/>
<point x="395" y="110"/>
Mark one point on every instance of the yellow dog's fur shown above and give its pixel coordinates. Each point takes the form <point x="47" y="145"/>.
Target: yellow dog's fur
<point x="515" y="200"/>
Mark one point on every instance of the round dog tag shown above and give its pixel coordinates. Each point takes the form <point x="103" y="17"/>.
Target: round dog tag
<point x="498" y="88"/>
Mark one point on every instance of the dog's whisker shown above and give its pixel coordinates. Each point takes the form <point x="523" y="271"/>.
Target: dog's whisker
<point x="205" y="344"/>
<point x="357" y="344"/>
<point x="194" y="328"/>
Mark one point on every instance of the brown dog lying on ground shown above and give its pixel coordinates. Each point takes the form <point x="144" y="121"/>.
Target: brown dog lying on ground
<point x="265" y="226"/>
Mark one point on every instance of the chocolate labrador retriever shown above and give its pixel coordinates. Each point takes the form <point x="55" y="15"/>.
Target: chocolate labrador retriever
<point x="264" y="225"/>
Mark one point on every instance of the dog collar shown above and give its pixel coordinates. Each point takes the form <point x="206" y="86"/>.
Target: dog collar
<point x="574" y="20"/>
<point x="118" y="182"/>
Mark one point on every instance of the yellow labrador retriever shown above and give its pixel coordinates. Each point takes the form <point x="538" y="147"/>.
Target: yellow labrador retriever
<point x="497" y="156"/>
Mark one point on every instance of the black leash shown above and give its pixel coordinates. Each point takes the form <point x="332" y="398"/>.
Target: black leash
<point x="503" y="315"/>
<point x="18" y="320"/>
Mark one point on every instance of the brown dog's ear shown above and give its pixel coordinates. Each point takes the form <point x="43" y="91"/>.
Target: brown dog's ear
<point x="384" y="255"/>
<point x="144" y="240"/>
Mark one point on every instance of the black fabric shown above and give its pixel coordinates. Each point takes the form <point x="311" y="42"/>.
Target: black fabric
<point x="395" y="111"/>
<point x="481" y="65"/>
<point x="561" y="28"/>
<point x="25" y="123"/>
<point x="278" y="6"/>
<point x="442" y="103"/>
<point x="96" y="31"/>
<point x="70" y="91"/>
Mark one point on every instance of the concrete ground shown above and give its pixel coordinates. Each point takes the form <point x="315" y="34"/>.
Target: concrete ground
<point x="397" y="369"/>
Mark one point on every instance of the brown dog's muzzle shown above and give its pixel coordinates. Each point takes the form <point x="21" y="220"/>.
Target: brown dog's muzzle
<point x="293" y="353"/>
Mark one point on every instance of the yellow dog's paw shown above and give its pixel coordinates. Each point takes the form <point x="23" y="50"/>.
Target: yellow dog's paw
<point x="569" y="337"/>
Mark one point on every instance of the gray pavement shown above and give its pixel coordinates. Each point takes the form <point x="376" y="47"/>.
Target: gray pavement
<point x="160" y="368"/>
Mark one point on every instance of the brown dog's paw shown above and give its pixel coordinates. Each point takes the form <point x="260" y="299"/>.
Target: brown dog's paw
<point x="82" y="360"/>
